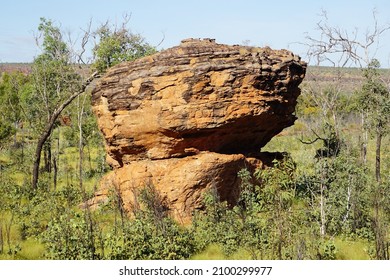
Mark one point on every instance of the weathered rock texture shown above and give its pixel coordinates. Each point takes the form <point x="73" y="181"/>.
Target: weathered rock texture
<point x="192" y="116"/>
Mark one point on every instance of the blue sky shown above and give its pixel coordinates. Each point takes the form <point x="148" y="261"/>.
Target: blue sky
<point x="278" y="24"/>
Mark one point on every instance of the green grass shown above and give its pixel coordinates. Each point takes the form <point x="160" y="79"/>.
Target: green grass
<point x="289" y="141"/>
<point x="351" y="250"/>
<point x="214" y="252"/>
<point x="31" y="250"/>
<point x="345" y="250"/>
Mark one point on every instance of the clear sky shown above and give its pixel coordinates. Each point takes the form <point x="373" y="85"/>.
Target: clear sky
<point x="276" y="23"/>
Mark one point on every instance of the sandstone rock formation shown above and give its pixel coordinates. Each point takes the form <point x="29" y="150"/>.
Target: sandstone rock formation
<point x="190" y="117"/>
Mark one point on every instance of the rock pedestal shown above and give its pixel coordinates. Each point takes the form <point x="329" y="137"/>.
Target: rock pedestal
<point x="189" y="118"/>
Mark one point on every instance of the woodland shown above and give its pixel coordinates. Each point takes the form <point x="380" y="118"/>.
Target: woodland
<point x="328" y="199"/>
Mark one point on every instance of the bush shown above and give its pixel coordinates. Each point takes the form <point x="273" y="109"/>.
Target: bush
<point x="150" y="235"/>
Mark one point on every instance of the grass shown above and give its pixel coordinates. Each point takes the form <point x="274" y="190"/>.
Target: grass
<point x="214" y="252"/>
<point x="289" y="141"/>
<point x="351" y="250"/>
<point x="31" y="250"/>
<point x="345" y="250"/>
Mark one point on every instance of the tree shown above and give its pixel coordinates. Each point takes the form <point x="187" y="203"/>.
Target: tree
<point x="277" y="193"/>
<point x="374" y="104"/>
<point x="118" y="44"/>
<point x="56" y="85"/>
<point x="12" y="87"/>
<point x="342" y="48"/>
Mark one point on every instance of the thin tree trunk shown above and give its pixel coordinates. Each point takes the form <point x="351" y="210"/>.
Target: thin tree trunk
<point x="89" y="157"/>
<point x="47" y="157"/>
<point x="87" y="213"/>
<point x="55" y="169"/>
<point x="378" y="228"/>
<point x="364" y="141"/>
<point x="1" y="239"/>
<point x="378" y="156"/>
<point x="8" y="231"/>
<point x="22" y="143"/>
<point x="56" y="160"/>
<point x="81" y="156"/>
<point x="322" y="211"/>
<point x="280" y="241"/>
<point x="81" y="148"/>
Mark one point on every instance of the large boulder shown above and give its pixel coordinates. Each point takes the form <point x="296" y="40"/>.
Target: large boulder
<point x="190" y="117"/>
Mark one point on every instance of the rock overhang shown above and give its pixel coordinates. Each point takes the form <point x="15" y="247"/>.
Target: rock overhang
<point x="160" y="103"/>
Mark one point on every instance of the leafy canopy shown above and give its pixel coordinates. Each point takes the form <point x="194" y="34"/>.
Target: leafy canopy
<point x="118" y="45"/>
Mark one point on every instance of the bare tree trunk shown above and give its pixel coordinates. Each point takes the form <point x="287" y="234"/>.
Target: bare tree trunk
<point x="1" y="239"/>
<point x="49" y="128"/>
<point x="378" y="156"/>
<point x="81" y="156"/>
<point x="8" y="231"/>
<point x="55" y="173"/>
<point x="37" y="161"/>
<point x="379" y="238"/>
<point x="89" y="157"/>
<point x="364" y="141"/>
<point x="87" y="213"/>
<point x="280" y="241"/>
<point x="47" y="156"/>
<point x="56" y="160"/>
<point x="81" y="147"/>
<point x="322" y="211"/>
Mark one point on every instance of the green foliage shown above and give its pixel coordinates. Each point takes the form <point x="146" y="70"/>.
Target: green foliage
<point x="348" y="205"/>
<point x="329" y="251"/>
<point x="12" y="89"/>
<point x="151" y="235"/>
<point x="6" y="130"/>
<point x="117" y="45"/>
<point x="68" y="237"/>
<point x="374" y="98"/>
<point x="218" y="225"/>
<point x="53" y="75"/>
<point x="266" y="222"/>
<point x="54" y="47"/>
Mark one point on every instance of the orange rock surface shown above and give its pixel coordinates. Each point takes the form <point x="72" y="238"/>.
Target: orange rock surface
<point x="190" y="117"/>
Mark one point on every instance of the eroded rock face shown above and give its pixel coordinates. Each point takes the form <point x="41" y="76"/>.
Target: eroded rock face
<point x="193" y="113"/>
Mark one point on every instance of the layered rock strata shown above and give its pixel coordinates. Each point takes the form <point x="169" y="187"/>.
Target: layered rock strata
<point x="190" y="117"/>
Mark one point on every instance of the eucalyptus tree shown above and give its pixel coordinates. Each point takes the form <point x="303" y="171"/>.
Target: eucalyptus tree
<point x="56" y="84"/>
<point x="116" y="44"/>
<point x="374" y="104"/>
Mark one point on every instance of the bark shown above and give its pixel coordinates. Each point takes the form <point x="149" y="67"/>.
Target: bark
<point x="81" y="148"/>
<point x="81" y="157"/>
<point x="1" y="239"/>
<point x="364" y="141"/>
<point x="49" y="128"/>
<point x="322" y="211"/>
<point x="47" y="156"/>
<point x="55" y="172"/>
<point x="56" y="160"/>
<point x="378" y="156"/>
